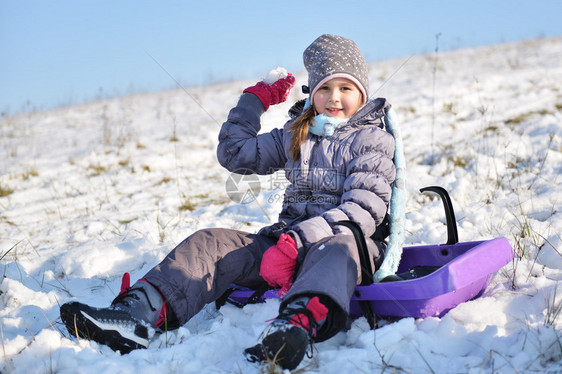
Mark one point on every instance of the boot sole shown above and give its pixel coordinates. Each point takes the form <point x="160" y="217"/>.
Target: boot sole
<point x="81" y="325"/>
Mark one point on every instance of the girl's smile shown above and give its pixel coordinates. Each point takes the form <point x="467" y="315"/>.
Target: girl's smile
<point x="338" y="97"/>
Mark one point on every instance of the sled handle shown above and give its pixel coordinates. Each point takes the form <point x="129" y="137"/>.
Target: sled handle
<point x="452" y="233"/>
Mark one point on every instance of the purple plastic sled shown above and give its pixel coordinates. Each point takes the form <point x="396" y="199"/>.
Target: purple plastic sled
<point x="465" y="270"/>
<point x="430" y="281"/>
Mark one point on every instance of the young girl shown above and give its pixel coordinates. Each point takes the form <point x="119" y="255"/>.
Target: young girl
<point x="338" y="160"/>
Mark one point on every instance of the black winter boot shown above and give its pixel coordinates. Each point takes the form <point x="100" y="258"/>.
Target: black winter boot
<point x="285" y="341"/>
<point x="125" y="325"/>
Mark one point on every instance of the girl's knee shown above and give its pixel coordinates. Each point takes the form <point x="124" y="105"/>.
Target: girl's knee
<point x="341" y="242"/>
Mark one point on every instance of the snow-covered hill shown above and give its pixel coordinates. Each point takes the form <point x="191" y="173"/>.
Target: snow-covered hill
<point x="90" y="191"/>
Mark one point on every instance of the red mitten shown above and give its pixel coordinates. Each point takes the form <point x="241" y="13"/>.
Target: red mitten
<point x="279" y="262"/>
<point x="273" y="91"/>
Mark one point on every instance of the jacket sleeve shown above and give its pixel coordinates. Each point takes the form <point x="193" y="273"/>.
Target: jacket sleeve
<point x="366" y="194"/>
<point x="240" y="147"/>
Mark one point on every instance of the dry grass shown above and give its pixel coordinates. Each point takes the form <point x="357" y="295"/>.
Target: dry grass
<point x="5" y="191"/>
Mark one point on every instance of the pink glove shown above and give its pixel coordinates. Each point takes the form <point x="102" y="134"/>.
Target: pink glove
<point x="274" y="93"/>
<point x="279" y="262"/>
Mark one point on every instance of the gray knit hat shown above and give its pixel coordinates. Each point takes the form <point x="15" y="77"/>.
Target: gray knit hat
<point x="332" y="56"/>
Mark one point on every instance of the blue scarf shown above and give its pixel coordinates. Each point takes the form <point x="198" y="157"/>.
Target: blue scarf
<point x="322" y="125"/>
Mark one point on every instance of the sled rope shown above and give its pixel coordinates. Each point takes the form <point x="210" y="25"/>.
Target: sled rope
<point x="397" y="203"/>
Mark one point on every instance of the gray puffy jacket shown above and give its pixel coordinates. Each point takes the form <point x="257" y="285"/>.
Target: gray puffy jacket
<point x="346" y="176"/>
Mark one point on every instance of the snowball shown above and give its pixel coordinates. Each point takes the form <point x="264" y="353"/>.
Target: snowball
<point x="275" y="74"/>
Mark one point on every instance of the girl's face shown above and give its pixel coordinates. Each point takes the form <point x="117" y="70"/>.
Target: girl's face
<point x="338" y="97"/>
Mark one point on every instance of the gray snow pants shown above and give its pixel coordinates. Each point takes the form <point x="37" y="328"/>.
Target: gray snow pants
<point x="201" y="268"/>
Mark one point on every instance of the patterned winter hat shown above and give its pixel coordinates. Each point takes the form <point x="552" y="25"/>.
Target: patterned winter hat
<point x="332" y="56"/>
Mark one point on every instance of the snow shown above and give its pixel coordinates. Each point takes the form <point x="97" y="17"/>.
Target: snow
<point x="275" y="74"/>
<point x="93" y="190"/>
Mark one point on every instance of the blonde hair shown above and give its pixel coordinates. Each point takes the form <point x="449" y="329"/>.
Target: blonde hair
<point x="299" y="132"/>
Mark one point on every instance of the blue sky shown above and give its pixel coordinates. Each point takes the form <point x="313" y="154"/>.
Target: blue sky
<point x="66" y="52"/>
